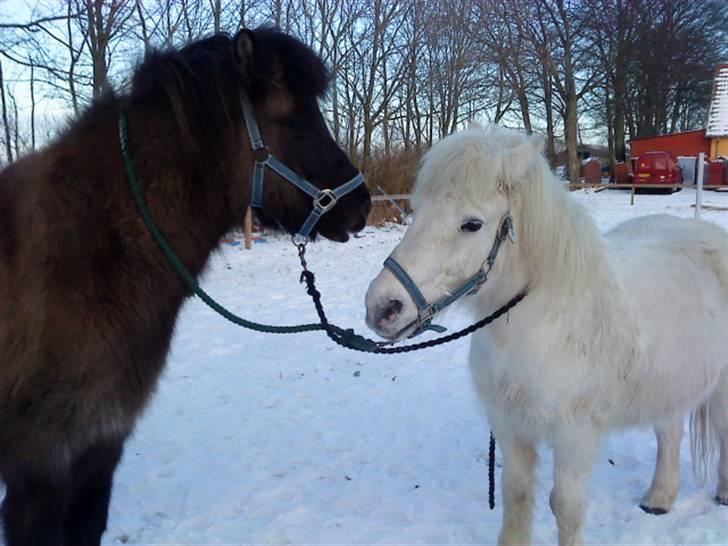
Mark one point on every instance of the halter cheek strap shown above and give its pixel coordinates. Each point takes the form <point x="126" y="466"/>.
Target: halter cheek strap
<point x="323" y="200"/>
<point x="426" y="311"/>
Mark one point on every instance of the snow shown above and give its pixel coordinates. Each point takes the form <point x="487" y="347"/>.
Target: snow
<point x="291" y="440"/>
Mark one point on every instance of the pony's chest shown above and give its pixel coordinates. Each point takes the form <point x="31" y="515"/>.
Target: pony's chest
<point x="523" y="387"/>
<point x="503" y="380"/>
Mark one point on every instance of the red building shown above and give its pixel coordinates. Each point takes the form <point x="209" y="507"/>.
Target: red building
<point x="690" y="143"/>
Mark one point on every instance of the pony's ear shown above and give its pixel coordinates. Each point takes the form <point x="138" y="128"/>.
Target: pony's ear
<point x="244" y="46"/>
<point x="520" y="160"/>
<point x="537" y="141"/>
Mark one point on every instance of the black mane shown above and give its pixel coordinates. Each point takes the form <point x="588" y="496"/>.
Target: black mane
<point x="305" y="73"/>
<point x="199" y="83"/>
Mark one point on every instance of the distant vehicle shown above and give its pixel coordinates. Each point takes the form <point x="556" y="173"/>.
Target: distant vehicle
<point x="658" y="168"/>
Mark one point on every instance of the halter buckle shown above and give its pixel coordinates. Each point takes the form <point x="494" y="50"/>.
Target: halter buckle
<point x="483" y="273"/>
<point x="424" y="319"/>
<point x="512" y="234"/>
<point x="325" y="200"/>
<point x="261" y="155"/>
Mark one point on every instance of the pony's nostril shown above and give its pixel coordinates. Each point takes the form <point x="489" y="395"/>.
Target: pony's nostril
<point x="389" y="312"/>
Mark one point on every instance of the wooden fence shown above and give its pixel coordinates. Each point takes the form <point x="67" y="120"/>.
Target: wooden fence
<point x="379" y="199"/>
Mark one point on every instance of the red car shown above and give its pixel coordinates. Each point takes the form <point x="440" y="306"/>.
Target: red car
<point x="658" y="168"/>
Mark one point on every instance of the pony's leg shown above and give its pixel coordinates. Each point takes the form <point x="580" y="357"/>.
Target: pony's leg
<point x="574" y="453"/>
<point x="718" y="412"/>
<point x="519" y="461"/>
<point x="666" y="480"/>
<point x="88" y="511"/>
<point x="34" y="507"/>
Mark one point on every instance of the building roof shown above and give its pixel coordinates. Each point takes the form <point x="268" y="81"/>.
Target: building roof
<point x="718" y="113"/>
<point x="667" y="135"/>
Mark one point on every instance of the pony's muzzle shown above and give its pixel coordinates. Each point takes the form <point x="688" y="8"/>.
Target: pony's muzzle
<point x="383" y="317"/>
<point x="389" y="308"/>
<point x="388" y="313"/>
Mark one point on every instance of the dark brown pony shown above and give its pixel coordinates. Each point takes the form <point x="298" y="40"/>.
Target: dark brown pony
<point x="88" y="302"/>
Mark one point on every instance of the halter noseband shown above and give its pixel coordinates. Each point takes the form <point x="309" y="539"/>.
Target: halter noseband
<point x="426" y="311"/>
<point x="323" y="200"/>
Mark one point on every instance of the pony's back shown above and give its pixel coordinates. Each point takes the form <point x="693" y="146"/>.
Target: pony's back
<point x="702" y="241"/>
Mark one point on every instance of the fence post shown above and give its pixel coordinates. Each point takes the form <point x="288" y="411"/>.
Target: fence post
<point x="632" y="197"/>
<point x="248" y="229"/>
<point x="402" y="213"/>
<point x="699" y="192"/>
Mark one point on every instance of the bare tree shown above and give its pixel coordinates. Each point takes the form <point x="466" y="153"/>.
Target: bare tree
<point x="32" y="106"/>
<point x="379" y="68"/>
<point x="105" y="20"/>
<point x="407" y="73"/>
<point x="562" y="23"/>
<point x="500" y="32"/>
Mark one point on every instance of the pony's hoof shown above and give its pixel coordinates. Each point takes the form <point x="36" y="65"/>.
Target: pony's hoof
<point x="655" y="511"/>
<point x="723" y="501"/>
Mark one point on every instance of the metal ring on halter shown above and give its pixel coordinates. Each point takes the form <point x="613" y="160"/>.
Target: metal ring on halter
<point x="325" y="200"/>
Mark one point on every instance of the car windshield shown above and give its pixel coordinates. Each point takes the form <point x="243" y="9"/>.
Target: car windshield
<point x="660" y="163"/>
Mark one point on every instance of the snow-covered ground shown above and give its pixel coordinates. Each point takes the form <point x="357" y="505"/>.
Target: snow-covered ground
<point x="291" y="440"/>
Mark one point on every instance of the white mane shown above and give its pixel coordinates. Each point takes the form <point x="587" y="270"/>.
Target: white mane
<point x="560" y="238"/>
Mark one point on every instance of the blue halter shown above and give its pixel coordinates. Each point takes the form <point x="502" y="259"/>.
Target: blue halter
<point x="323" y="200"/>
<point x="426" y="311"/>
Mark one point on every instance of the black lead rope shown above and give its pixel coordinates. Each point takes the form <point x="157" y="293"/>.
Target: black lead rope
<point x="345" y="338"/>
<point x="351" y="340"/>
<point x="491" y="472"/>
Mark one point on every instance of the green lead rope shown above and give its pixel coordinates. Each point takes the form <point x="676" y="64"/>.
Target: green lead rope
<point x="175" y="260"/>
<point x="347" y="338"/>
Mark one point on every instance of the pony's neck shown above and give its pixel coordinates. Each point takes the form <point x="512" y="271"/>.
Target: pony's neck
<point x="561" y="245"/>
<point x="194" y="200"/>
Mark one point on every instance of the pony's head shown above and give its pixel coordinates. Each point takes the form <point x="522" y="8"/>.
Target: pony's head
<point x="467" y="188"/>
<point x="283" y="80"/>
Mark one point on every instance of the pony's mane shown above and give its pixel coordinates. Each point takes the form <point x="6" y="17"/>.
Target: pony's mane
<point x="201" y="82"/>
<point x="305" y="73"/>
<point x="468" y="160"/>
<point x="561" y="241"/>
<point x="197" y="83"/>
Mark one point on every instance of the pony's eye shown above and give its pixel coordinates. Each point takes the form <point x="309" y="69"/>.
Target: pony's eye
<point x="471" y="225"/>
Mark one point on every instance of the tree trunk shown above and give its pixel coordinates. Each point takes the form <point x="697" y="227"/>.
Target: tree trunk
<point x="143" y="26"/>
<point x="32" y="105"/>
<point x="8" y="146"/>
<point x="571" y="126"/>
<point x="16" y="126"/>
<point x="548" y="105"/>
<point x="335" y="104"/>
<point x="216" y="7"/>
<point x="98" y="43"/>
<point x="74" y="55"/>
<point x="610" y="131"/>
<point x="620" y="148"/>
<point x="620" y="84"/>
<point x="523" y="104"/>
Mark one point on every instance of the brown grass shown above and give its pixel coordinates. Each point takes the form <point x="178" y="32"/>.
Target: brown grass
<point x="395" y="174"/>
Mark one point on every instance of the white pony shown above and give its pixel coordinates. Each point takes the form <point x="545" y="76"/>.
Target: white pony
<point x="619" y="330"/>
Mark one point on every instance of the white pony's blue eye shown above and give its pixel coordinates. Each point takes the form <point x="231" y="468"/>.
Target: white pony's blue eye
<point x="472" y="225"/>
